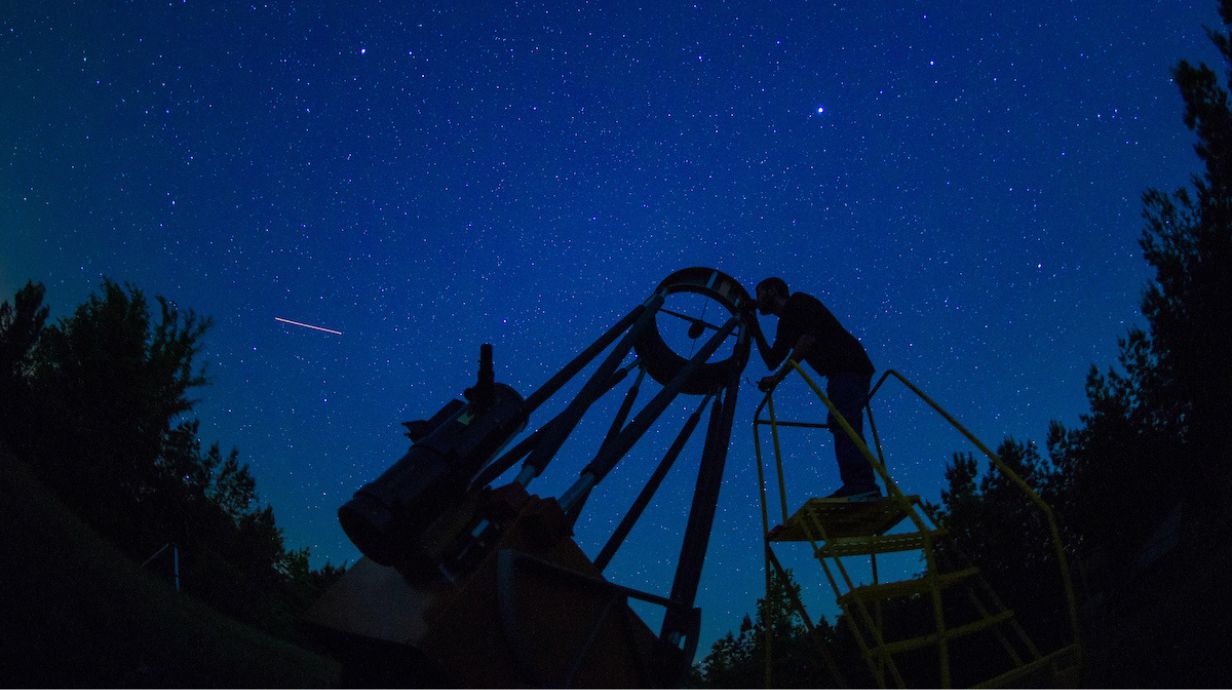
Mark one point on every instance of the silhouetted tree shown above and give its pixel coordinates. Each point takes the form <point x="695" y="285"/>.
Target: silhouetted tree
<point x="991" y="523"/>
<point x="21" y="326"/>
<point x="1169" y="411"/>
<point x="738" y="660"/>
<point x="98" y="405"/>
<point x="107" y="386"/>
<point x="1142" y="482"/>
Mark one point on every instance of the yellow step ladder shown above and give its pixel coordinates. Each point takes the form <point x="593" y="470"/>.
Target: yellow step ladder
<point x="838" y="529"/>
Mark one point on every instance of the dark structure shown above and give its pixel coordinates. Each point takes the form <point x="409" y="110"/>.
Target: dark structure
<point x="470" y="583"/>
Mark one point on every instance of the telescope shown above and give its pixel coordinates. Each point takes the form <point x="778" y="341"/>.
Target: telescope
<point x="469" y="582"/>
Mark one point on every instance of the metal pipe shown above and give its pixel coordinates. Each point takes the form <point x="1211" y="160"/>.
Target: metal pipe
<point x="648" y="491"/>
<point x="564" y="424"/>
<point x="622" y="414"/>
<point x="573" y="499"/>
<point x="511" y="457"/>
<point x="701" y="513"/>
<point x="609" y="456"/>
<point x="572" y="368"/>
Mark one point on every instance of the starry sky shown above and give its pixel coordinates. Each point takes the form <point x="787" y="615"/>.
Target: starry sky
<point x="958" y="181"/>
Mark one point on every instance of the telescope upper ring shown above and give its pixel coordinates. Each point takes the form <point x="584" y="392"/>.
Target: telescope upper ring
<point x="662" y="363"/>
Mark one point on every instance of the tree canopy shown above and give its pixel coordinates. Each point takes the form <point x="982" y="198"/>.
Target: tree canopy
<point x="99" y="405"/>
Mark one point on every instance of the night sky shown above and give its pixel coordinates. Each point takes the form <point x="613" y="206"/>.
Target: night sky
<point x="958" y="182"/>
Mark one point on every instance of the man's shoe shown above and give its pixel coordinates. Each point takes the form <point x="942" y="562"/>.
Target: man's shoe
<point x="855" y="493"/>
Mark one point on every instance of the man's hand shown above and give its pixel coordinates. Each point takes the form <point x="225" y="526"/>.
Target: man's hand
<point x="767" y="383"/>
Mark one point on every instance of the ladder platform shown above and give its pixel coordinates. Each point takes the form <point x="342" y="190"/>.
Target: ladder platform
<point x="904" y="588"/>
<point x="826" y="519"/>
<point x="877" y="543"/>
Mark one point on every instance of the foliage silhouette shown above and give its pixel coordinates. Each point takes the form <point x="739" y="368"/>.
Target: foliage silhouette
<point x="98" y="405"/>
<point x="738" y="661"/>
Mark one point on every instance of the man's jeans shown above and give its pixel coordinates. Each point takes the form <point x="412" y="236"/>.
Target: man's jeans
<point x="849" y="393"/>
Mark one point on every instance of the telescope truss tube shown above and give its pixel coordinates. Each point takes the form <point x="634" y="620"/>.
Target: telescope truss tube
<point x="695" y="375"/>
<point x="415" y="518"/>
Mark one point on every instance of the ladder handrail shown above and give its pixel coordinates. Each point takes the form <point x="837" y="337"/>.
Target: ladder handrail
<point x="893" y="490"/>
<point x="1009" y="473"/>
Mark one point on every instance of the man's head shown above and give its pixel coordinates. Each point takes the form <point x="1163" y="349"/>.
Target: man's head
<point x="771" y="296"/>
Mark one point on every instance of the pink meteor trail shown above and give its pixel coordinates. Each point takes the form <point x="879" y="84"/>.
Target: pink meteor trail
<point x="308" y="325"/>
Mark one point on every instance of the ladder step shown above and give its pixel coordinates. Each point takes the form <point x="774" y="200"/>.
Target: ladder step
<point x="903" y="588"/>
<point x="1062" y="663"/>
<point x="884" y="543"/>
<point x="822" y="519"/>
<point x="928" y="640"/>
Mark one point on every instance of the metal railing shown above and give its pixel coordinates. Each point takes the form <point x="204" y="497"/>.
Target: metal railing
<point x="878" y="464"/>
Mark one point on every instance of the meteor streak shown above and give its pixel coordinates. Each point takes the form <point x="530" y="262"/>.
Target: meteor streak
<point x="307" y="325"/>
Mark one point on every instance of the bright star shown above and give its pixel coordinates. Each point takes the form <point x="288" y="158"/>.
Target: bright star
<point x="820" y="109"/>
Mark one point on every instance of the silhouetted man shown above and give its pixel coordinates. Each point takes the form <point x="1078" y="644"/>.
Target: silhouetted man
<point x="819" y="339"/>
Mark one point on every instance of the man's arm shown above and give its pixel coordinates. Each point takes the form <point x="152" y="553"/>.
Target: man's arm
<point x="802" y="345"/>
<point x="788" y="335"/>
<point x="772" y="355"/>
